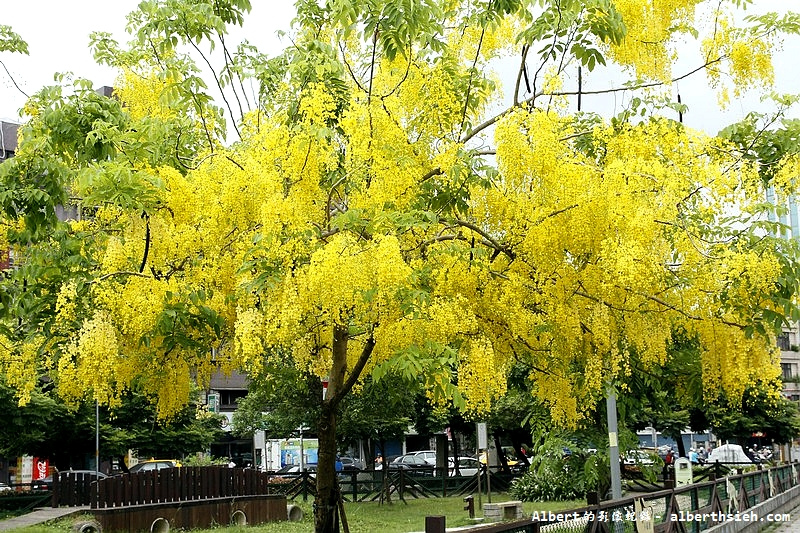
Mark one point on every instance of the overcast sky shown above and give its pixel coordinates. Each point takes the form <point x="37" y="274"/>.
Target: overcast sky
<point x="57" y="32"/>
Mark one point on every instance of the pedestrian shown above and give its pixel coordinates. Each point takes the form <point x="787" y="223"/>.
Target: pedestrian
<point x="701" y="455"/>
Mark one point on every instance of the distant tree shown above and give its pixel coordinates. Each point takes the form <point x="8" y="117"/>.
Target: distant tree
<point x="280" y="399"/>
<point x="135" y="425"/>
<point x="46" y="427"/>
<point x="761" y="411"/>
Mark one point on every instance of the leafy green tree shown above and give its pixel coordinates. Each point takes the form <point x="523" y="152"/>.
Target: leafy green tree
<point x="46" y="427"/>
<point x="761" y="411"/>
<point x="279" y="400"/>
<point x="135" y="425"/>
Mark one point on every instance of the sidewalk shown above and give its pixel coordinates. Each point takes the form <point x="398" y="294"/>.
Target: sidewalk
<point x="40" y="515"/>
<point x="788" y="527"/>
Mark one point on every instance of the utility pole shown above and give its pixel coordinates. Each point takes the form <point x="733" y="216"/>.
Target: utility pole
<point x="613" y="441"/>
<point x="613" y="452"/>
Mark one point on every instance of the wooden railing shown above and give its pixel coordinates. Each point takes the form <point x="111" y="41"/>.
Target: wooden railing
<point x="158" y="486"/>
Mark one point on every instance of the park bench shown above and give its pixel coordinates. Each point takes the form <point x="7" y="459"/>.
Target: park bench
<point x="510" y="510"/>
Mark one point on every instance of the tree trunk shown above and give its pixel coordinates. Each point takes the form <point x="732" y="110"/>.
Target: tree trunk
<point x="456" y="452"/>
<point x="326" y="501"/>
<point x="678" y="438"/>
<point x="517" y="443"/>
<point x="501" y="455"/>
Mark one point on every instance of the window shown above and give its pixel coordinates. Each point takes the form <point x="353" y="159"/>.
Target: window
<point x="229" y="398"/>
<point x="783" y="342"/>
<point x="786" y="369"/>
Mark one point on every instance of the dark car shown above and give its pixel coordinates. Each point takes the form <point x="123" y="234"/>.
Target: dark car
<point x="350" y="464"/>
<point x="47" y="482"/>
<point x="413" y="463"/>
<point x="154" y="464"/>
<point x="295" y="469"/>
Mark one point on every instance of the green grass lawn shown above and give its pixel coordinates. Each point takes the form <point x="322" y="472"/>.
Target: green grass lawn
<point x="367" y="517"/>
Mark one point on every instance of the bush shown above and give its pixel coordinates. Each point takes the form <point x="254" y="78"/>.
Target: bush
<point x="204" y="460"/>
<point x="556" y="473"/>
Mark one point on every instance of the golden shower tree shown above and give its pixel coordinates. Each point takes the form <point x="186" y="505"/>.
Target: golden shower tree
<point x="387" y="206"/>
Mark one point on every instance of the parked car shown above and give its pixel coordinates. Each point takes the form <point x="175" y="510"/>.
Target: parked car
<point x="516" y="466"/>
<point x="295" y="469"/>
<point x="5" y="488"/>
<point x="291" y="473"/>
<point x="467" y="466"/>
<point x="412" y="462"/>
<point x="638" y="457"/>
<point x="429" y="456"/>
<point x="350" y="464"/>
<point x="47" y="482"/>
<point x="154" y="464"/>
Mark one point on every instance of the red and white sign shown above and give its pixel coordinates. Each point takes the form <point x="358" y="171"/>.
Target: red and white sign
<point x="324" y="387"/>
<point x="40" y="468"/>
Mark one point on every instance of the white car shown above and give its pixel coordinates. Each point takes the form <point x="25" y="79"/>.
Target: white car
<point x="5" y="488"/>
<point x="638" y="457"/>
<point x="429" y="456"/>
<point x="467" y="466"/>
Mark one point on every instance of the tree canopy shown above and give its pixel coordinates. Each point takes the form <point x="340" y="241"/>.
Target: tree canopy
<point x="387" y="207"/>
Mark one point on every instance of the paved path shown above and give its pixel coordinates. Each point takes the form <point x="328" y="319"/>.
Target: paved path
<point x="789" y="527"/>
<point x="39" y="516"/>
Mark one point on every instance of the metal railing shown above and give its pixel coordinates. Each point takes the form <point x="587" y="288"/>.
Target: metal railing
<point x="690" y="508"/>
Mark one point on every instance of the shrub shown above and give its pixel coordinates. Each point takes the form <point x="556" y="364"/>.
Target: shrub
<point x="556" y="473"/>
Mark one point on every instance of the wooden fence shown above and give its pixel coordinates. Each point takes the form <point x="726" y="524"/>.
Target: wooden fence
<point x="158" y="486"/>
<point x="187" y="497"/>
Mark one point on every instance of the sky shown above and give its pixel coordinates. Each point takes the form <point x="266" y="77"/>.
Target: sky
<point x="58" y="31"/>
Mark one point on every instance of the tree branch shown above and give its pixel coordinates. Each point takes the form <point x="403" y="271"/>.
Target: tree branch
<point x="146" y="218"/>
<point x="121" y="273"/>
<point x="489" y="122"/>
<point x="219" y="84"/>
<point x="522" y="72"/>
<point x="471" y="75"/>
<point x="355" y="373"/>
<point x="487" y="239"/>
<point x="13" y="80"/>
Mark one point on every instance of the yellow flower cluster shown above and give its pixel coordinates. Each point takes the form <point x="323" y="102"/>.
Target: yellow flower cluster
<point x="18" y="363"/>
<point x="248" y="327"/>
<point x="749" y="57"/>
<point x="650" y="24"/>
<point x="91" y="361"/>
<point x="66" y="306"/>
<point x="480" y="377"/>
<point x="141" y="94"/>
